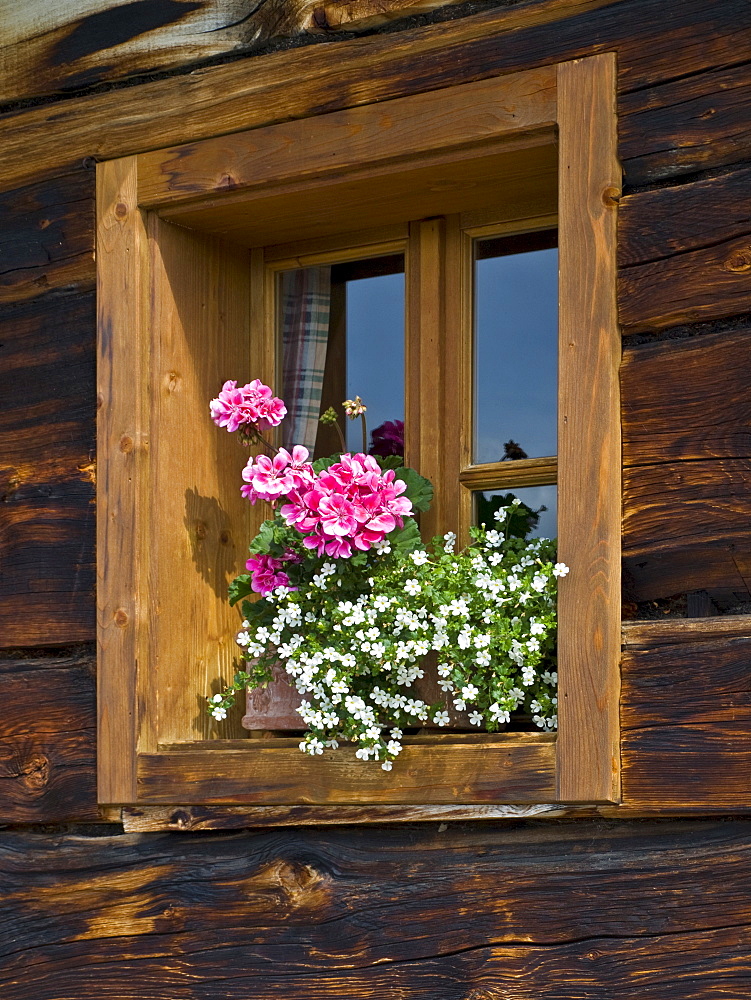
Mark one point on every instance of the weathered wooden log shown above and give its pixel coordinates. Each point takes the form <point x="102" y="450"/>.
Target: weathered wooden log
<point x="47" y="471"/>
<point x="437" y="913"/>
<point x="686" y="716"/>
<point x="47" y="238"/>
<point x="687" y="399"/>
<point x="689" y="287"/>
<point x="220" y="99"/>
<point x="656" y="224"/>
<point x="687" y="125"/>
<point x="56" y="48"/>
<point x="686" y="526"/>
<point x="48" y="739"/>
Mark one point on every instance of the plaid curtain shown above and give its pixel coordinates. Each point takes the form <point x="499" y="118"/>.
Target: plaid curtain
<point x="305" y="299"/>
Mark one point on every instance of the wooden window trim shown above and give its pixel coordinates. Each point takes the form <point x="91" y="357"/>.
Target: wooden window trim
<point x="173" y="257"/>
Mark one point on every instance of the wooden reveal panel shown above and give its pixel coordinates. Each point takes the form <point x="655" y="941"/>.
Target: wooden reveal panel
<point x="183" y="307"/>
<point x="589" y="440"/>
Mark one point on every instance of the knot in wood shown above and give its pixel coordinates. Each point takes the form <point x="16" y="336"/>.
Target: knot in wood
<point x="121" y="210"/>
<point x="121" y="618"/>
<point x="36" y="772"/>
<point x="611" y="196"/>
<point x="126" y="444"/>
<point x="739" y="260"/>
<point x="173" y="381"/>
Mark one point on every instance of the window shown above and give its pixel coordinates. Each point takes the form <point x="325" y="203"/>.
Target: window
<point x="190" y="243"/>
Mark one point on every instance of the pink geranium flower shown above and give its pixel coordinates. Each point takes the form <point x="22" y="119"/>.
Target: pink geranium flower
<point x="266" y="573"/>
<point x="254" y="403"/>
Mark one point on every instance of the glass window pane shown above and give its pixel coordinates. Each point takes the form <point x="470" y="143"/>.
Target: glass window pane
<point x="342" y="336"/>
<point x="541" y="501"/>
<point x="516" y="347"/>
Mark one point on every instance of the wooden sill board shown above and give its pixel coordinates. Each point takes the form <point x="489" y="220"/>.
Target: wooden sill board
<point x="516" y="767"/>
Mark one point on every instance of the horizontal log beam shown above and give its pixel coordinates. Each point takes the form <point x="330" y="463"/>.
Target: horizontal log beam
<point x="689" y="399"/>
<point x="686" y="527"/>
<point x="221" y="99"/>
<point x="47" y="740"/>
<point x="47" y="471"/>
<point x="659" y="908"/>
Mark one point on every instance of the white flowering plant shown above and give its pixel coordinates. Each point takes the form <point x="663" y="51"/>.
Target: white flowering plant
<point x="348" y="600"/>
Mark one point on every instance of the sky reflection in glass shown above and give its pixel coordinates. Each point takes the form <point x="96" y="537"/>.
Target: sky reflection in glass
<point x="375" y="350"/>
<point x="516" y="352"/>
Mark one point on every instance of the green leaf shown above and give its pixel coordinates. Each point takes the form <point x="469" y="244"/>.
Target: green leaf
<point x="321" y="464"/>
<point x="419" y="489"/>
<point x="390" y="461"/>
<point x="239" y="588"/>
<point x="406" y="539"/>
<point x="264" y="540"/>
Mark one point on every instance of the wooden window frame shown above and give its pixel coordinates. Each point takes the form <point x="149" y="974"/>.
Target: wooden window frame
<point x="182" y="304"/>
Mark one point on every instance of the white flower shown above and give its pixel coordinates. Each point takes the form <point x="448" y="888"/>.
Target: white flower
<point x="500" y="514"/>
<point x="219" y="713"/>
<point x="516" y="501"/>
<point x="441" y="718"/>
<point x="396" y="734"/>
<point x="536" y="628"/>
<point x="386" y="765"/>
<point x="449" y="540"/>
<point x="476" y="718"/>
<point x="560" y="569"/>
<point x="217" y="698"/>
<point x="459" y="704"/>
<point x="381" y="603"/>
<point x="328" y="569"/>
<point x="494" y="539"/>
<point x="419" y="558"/>
<point x="470" y="692"/>
<point x="412" y="587"/>
<point x="539" y="583"/>
<point x="498" y="713"/>
<point x="483" y="659"/>
<point x="382" y="547"/>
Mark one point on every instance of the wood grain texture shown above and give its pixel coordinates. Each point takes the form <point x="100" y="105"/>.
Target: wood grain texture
<point x="48" y="739"/>
<point x="218" y="100"/>
<point x="497" y="475"/>
<point x="458" y="118"/>
<point x="689" y="287"/>
<point x="516" y="768"/>
<point x="47" y="238"/>
<point x="589" y="445"/>
<point x="686" y="715"/>
<point x="687" y="399"/>
<point x="685" y="251"/>
<point x="123" y="597"/>
<point x="434" y="913"/>
<point x="657" y="224"/>
<point x="686" y="527"/>
<point x="79" y="43"/>
<point x="47" y="471"/>
<point x="198" y="525"/>
<point x="687" y="125"/>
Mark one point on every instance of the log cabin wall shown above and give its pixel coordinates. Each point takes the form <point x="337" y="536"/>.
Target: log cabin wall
<point x="652" y="899"/>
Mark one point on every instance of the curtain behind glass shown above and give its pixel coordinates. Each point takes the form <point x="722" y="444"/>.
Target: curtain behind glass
<point x="305" y="302"/>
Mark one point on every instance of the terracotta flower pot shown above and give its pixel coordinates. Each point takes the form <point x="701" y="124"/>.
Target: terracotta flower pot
<point x="273" y="707"/>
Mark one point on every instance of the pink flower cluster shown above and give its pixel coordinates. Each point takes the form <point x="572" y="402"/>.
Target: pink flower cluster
<point x="351" y="505"/>
<point x="271" y="478"/>
<point x="253" y="403"/>
<point x="266" y="573"/>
